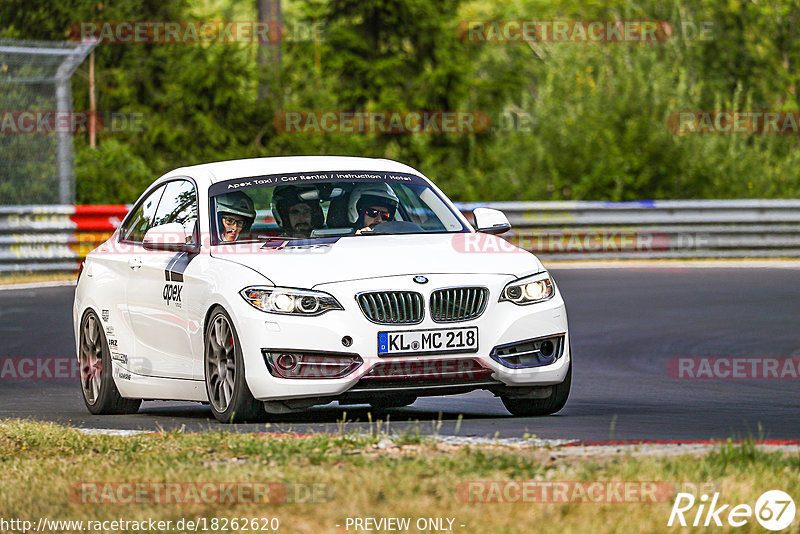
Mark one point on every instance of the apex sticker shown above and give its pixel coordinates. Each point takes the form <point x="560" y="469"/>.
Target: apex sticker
<point x="172" y="294"/>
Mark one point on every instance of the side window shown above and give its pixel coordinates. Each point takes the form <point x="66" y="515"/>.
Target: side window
<point x="178" y="205"/>
<point x="142" y="218"/>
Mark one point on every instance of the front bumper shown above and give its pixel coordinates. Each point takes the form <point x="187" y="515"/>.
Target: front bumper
<point x="501" y="323"/>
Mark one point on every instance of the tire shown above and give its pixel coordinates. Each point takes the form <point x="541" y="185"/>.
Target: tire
<point x="100" y="393"/>
<point x="397" y="402"/>
<point x="229" y="396"/>
<point x="537" y="407"/>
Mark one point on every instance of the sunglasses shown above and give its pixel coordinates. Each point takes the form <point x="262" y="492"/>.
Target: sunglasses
<point x="230" y="221"/>
<point x="388" y="215"/>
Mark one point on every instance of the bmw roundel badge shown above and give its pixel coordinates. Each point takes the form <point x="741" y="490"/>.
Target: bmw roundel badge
<point x="420" y="280"/>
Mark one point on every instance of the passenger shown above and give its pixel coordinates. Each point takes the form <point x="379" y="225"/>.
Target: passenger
<point x="370" y="205"/>
<point x="235" y="213"/>
<point x="296" y="216"/>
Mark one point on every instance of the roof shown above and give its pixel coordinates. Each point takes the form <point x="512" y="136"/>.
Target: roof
<point x="244" y="168"/>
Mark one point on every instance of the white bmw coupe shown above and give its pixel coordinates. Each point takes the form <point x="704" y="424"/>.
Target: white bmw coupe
<point x="267" y="286"/>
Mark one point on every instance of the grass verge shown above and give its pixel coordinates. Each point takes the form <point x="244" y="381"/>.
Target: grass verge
<point x="323" y="480"/>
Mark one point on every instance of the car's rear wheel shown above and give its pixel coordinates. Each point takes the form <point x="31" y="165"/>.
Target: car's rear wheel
<point x="534" y="406"/>
<point x="228" y="394"/>
<point x="100" y="394"/>
<point x="395" y="402"/>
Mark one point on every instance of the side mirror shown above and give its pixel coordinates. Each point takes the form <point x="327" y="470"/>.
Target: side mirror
<point x="490" y="221"/>
<point x="170" y="237"/>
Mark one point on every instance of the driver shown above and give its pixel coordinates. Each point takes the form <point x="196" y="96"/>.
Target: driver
<point x="297" y="216"/>
<point x="370" y="205"/>
<point x="235" y="213"/>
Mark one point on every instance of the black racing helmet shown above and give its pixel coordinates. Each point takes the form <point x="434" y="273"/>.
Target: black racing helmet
<point x="286" y="196"/>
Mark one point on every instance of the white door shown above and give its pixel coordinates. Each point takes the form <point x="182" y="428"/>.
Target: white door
<point x="155" y="292"/>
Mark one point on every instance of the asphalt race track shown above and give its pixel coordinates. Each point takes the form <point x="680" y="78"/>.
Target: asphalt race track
<point x="625" y="324"/>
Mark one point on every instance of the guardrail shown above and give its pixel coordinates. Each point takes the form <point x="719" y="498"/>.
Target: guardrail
<point x="57" y="238"/>
<point x="653" y="229"/>
<point x="53" y="238"/>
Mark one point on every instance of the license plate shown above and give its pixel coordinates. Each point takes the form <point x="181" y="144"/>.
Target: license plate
<point x="428" y="341"/>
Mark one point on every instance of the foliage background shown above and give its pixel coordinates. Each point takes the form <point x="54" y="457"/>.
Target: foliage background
<point x="570" y="121"/>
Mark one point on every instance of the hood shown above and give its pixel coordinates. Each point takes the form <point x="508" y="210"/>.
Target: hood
<point x="307" y="263"/>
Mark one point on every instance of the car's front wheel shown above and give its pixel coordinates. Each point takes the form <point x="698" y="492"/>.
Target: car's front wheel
<point x="97" y="382"/>
<point x="531" y="407"/>
<point x="229" y="397"/>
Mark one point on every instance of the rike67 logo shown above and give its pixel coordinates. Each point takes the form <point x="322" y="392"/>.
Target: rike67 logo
<point x="774" y="510"/>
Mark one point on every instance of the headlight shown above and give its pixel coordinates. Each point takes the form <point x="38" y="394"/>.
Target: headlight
<point x="528" y="290"/>
<point x="289" y="301"/>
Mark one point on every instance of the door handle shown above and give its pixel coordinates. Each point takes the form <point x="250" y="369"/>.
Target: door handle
<point x="135" y="263"/>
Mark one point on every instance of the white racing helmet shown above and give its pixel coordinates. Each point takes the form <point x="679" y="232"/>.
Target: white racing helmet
<point x="236" y="203"/>
<point x="379" y="194"/>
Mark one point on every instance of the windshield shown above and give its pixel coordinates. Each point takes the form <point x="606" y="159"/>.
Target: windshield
<point x="327" y="204"/>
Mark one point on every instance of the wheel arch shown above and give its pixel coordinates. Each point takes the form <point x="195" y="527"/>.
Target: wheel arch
<point x="81" y="309"/>
<point x="211" y="307"/>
